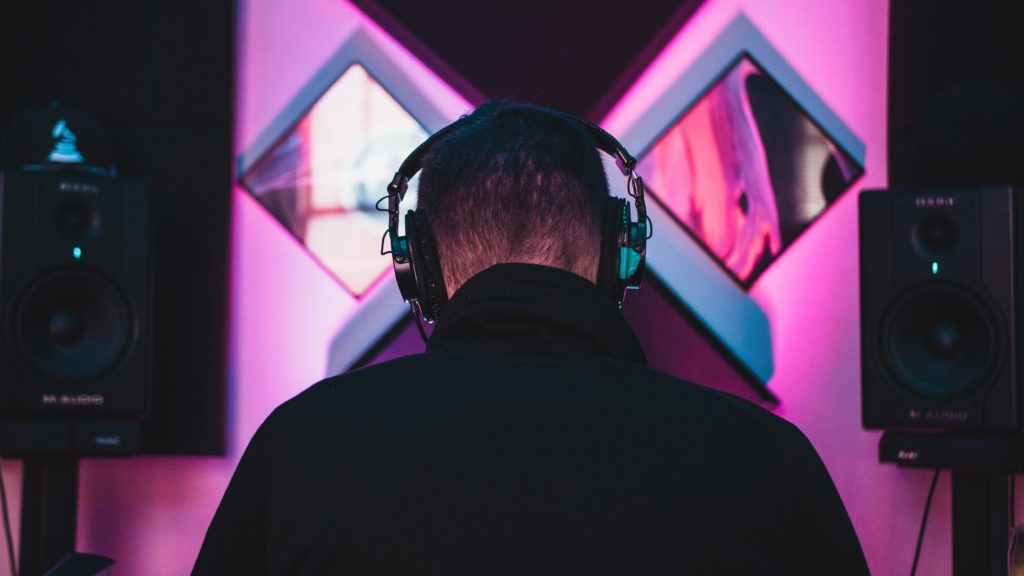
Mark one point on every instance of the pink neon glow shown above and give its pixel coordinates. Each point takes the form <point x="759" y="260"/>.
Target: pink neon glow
<point x="746" y="171"/>
<point x="710" y="169"/>
<point x="150" y="514"/>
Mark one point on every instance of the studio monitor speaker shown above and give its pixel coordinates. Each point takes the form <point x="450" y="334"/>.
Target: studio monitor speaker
<point x="938" y="308"/>
<point x="75" y="289"/>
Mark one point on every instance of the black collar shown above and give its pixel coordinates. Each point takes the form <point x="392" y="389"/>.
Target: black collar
<point x="526" y="309"/>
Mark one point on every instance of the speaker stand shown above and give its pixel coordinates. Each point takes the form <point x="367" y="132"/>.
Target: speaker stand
<point x="49" y="512"/>
<point x="983" y="466"/>
<point x="981" y="523"/>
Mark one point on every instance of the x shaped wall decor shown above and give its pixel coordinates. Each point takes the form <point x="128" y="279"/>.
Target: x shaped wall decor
<point x="739" y="152"/>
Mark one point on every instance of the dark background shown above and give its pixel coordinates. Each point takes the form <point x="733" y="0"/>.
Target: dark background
<point x="956" y="93"/>
<point x="577" y="56"/>
<point x="160" y="77"/>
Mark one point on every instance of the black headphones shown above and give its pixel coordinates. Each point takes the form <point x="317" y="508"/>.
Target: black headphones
<point x="418" y="269"/>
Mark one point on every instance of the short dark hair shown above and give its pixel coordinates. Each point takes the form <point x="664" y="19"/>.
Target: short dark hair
<point x="514" y="183"/>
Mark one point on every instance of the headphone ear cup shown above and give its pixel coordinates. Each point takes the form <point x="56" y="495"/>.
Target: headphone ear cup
<point x="633" y="255"/>
<point x="615" y="219"/>
<point x="426" y="266"/>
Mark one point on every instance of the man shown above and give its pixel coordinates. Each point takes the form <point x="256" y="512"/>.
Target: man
<point x="531" y="437"/>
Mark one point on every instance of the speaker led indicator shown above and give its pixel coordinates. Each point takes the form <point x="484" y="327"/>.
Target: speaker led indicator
<point x="77" y="253"/>
<point x="935" y="268"/>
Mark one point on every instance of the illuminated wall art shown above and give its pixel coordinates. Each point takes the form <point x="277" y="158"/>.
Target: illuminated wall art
<point x="323" y="179"/>
<point x="740" y="156"/>
<point x="745" y="170"/>
<point x="324" y="161"/>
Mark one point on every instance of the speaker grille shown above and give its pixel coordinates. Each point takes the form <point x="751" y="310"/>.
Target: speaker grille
<point x="939" y="341"/>
<point x="72" y="324"/>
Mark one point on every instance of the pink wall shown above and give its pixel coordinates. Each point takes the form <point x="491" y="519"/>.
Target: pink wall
<point x="150" y="514"/>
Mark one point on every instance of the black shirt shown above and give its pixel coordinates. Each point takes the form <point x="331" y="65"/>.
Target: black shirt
<point x="530" y="438"/>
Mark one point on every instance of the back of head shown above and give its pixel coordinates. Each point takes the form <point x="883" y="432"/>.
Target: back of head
<point x="516" y="183"/>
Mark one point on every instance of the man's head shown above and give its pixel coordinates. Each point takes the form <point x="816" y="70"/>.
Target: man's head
<point x="516" y="183"/>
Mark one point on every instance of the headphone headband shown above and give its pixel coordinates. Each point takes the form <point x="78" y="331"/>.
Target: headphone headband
<point x="605" y="142"/>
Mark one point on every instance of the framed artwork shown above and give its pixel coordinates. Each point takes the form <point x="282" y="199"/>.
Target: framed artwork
<point x="745" y="170"/>
<point x="740" y="156"/>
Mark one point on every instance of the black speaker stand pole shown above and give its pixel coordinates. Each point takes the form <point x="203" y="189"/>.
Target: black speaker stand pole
<point x="981" y="523"/>
<point x="49" y="512"/>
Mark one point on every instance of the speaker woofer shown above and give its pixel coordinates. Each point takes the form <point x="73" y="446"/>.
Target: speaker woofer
<point x="939" y="341"/>
<point x="73" y="325"/>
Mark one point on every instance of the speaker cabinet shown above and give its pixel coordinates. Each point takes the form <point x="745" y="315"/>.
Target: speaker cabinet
<point x="74" y="296"/>
<point x="938" y="329"/>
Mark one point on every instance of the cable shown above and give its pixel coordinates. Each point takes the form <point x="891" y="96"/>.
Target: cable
<point x="924" y="521"/>
<point x="7" y="525"/>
